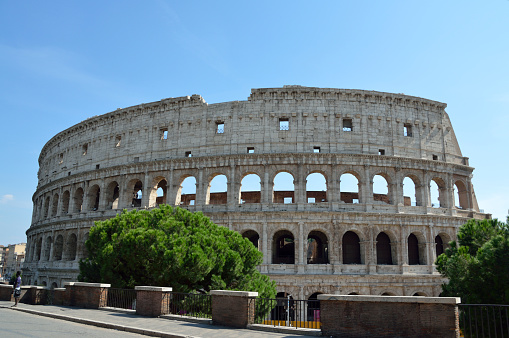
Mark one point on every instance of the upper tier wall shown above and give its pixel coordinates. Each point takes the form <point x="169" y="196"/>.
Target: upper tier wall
<point x="396" y="124"/>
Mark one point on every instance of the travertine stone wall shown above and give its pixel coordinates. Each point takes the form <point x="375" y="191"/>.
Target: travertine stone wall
<point x="93" y="170"/>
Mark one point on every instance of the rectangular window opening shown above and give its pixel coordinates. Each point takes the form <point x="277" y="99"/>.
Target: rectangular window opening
<point x="191" y="202"/>
<point x="347" y="125"/>
<point x="164" y="135"/>
<point x="118" y="139"/>
<point x="97" y="166"/>
<point x="381" y="151"/>
<point x="311" y="200"/>
<point x="284" y="124"/>
<point x="250" y="150"/>
<point x="316" y="149"/>
<point x="435" y="157"/>
<point x="220" y="127"/>
<point x="61" y="158"/>
<point x="188" y="154"/>
<point x="355" y="200"/>
<point x="136" y="159"/>
<point x="288" y="200"/>
<point x="407" y="129"/>
<point x="85" y="149"/>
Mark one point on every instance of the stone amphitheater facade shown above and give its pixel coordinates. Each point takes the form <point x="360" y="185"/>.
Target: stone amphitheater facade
<point x="330" y="240"/>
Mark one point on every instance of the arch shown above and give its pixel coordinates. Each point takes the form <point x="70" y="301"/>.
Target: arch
<point x="316" y="188"/>
<point x="112" y="195"/>
<point x="283" y="188"/>
<point x="411" y="191"/>
<point x="46" y="207"/>
<point x="420" y="294"/>
<point x="284" y="306"/>
<point x="413" y="250"/>
<point x="136" y="193"/>
<point x="253" y="237"/>
<point x="58" y="248"/>
<point x="54" y="207"/>
<point x="388" y="294"/>
<point x="78" y="200"/>
<point x="460" y="195"/>
<point x="381" y="189"/>
<point x="186" y="193"/>
<point x="159" y="193"/>
<point x="313" y="305"/>
<point x="71" y="247"/>
<point x="47" y="248"/>
<point x="351" y="248"/>
<point x="349" y="187"/>
<point x="54" y="285"/>
<point x="439" y="245"/>
<point x="38" y="249"/>
<point x="283" y="248"/>
<point x="317" y="248"/>
<point x="84" y="246"/>
<point x="383" y="249"/>
<point x="217" y="190"/>
<point x="94" y="194"/>
<point x="436" y="193"/>
<point x="66" y="196"/>
<point x="250" y="189"/>
<point x="353" y="294"/>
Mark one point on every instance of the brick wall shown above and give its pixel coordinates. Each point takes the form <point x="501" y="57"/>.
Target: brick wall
<point x="232" y="308"/>
<point x="88" y="295"/>
<point x="152" y="301"/>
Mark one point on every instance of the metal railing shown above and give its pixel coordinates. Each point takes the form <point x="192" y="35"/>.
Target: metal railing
<point x="484" y="320"/>
<point x="189" y="304"/>
<point x="121" y="298"/>
<point x="287" y="312"/>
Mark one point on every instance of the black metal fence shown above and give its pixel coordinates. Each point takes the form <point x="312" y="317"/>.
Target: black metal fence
<point x="287" y="312"/>
<point x="121" y="298"/>
<point x="484" y="320"/>
<point x="189" y="304"/>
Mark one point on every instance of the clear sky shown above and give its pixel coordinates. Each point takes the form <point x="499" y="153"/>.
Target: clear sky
<point x="64" y="61"/>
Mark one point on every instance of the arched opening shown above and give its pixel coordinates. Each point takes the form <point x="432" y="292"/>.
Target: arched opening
<point x="217" y="192"/>
<point x="65" y="202"/>
<point x="460" y="195"/>
<point x="78" y="200"/>
<point x="380" y="189"/>
<point x="383" y="249"/>
<point x="387" y="294"/>
<point x="72" y="243"/>
<point x="413" y="250"/>
<point x="84" y="246"/>
<point x="351" y="248"/>
<point x="47" y="248"/>
<point x="186" y="194"/>
<point x="54" y="207"/>
<point x="317" y="250"/>
<point x="59" y="246"/>
<point x="250" y="189"/>
<point x="439" y="245"/>
<point x="285" y="305"/>
<point x="112" y="195"/>
<point x="316" y="188"/>
<point x="161" y="192"/>
<point x="410" y="192"/>
<point x="437" y="199"/>
<point x="253" y="237"/>
<point x="137" y="194"/>
<point x="313" y="307"/>
<point x="284" y="190"/>
<point x="353" y="294"/>
<point x="419" y="294"/>
<point x="349" y="188"/>
<point x="54" y="285"/>
<point x="46" y="207"/>
<point x="44" y="283"/>
<point x="38" y="249"/>
<point x="283" y="248"/>
<point x="94" y="194"/>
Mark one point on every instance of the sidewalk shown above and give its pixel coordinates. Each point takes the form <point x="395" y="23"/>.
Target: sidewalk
<point x="156" y="327"/>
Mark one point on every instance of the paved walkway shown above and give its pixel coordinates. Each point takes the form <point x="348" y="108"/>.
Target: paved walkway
<point x="156" y="327"/>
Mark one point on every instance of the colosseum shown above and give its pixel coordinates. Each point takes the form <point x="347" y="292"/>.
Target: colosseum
<point x="344" y="191"/>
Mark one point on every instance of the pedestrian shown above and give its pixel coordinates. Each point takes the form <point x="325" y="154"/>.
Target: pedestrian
<point x="16" y="288"/>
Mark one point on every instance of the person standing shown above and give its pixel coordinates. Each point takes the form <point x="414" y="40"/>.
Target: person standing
<point x="16" y="288"/>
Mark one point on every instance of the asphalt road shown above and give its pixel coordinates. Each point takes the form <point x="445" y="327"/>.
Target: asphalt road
<point x="15" y="324"/>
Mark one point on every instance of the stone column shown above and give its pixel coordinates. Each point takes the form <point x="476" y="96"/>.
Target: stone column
<point x="147" y="190"/>
<point x="233" y="188"/>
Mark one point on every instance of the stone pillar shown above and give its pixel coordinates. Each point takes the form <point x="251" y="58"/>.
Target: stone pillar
<point x="233" y="308"/>
<point x="88" y="295"/>
<point x="367" y="187"/>
<point x="232" y="197"/>
<point x="301" y="247"/>
<point x="147" y="190"/>
<point x="152" y="301"/>
<point x="38" y="295"/>
<point x="265" y="241"/>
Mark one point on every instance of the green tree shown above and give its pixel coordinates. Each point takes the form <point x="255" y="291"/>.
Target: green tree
<point x="173" y="247"/>
<point x="478" y="265"/>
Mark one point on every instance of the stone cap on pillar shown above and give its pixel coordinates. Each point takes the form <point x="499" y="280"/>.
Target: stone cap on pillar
<point x="392" y="299"/>
<point x="38" y="287"/>
<point x="234" y="293"/>
<point x="153" y="288"/>
<point x="95" y="285"/>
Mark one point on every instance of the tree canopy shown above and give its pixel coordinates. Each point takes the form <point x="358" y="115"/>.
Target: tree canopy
<point x="173" y="247"/>
<point x="478" y="265"/>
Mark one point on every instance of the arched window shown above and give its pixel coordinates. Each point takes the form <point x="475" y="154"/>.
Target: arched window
<point x="94" y="194"/>
<point x="283" y="188"/>
<point x="65" y="202"/>
<point x="250" y="189"/>
<point x="72" y="243"/>
<point x="439" y="245"/>
<point x="217" y="192"/>
<point x="283" y="249"/>
<point x="59" y="246"/>
<point x="317" y="249"/>
<point x="460" y="195"/>
<point x="46" y="207"/>
<point x="47" y="248"/>
<point x="380" y="189"/>
<point x="316" y="188"/>
<point x="351" y="248"/>
<point x="186" y="194"/>
<point x="313" y="308"/>
<point x="161" y="191"/>
<point x="136" y="194"/>
<point x="383" y="249"/>
<point x="54" y="207"/>
<point x="112" y="195"/>
<point x="349" y="188"/>
<point x="78" y="200"/>
<point x="253" y="237"/>
<point x="437" y="198"/>
<point x="54" y="285"/>
<point x="411" y="195"/>
<point x="38" y="249"/>
<point x="413" y="250"/>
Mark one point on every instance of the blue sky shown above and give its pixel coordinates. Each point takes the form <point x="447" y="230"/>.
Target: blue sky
<point x="64" y="61"/>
